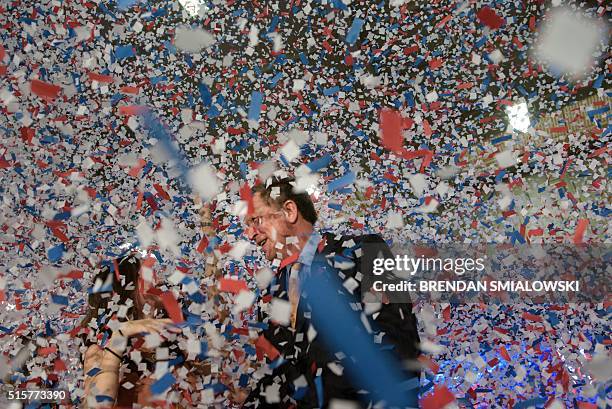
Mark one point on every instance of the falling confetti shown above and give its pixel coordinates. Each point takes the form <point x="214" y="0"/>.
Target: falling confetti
<point x="419" y="121"/>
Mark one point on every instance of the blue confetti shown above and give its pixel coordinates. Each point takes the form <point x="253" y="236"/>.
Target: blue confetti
<point x="341" y="182"/>
<point x="341" y="329"/>
<point x="124" y="51"/>
<point x="205" y="95"/>
<point x="55" y="253"/>
<point x="255" y="108"/>
<point x="59" y="299"/>
<point x="535" y="402"/>
<point x="163" y="384"/>
<point x="126" y="4"/>
<point x="320" y="163"/>
<point x="354" y="31"/>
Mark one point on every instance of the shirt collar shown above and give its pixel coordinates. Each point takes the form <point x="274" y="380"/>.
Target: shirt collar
<point x="307" y="254"/>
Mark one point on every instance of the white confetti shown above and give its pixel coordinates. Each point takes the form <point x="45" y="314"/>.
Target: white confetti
<point x="243" y="301"/>
<point x="192" y="40"/>
<point x="280" y="311"/>
<point x="568" y="40"/>
<point x="418" y="184"/>
<point x="204" y="181"/>
<point x="505" y="159"/>
<point x="264" y="277"/>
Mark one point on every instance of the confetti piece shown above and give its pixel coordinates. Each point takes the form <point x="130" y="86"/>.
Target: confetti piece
<point x="353" y="33"/>
<point x="505" y="159"/>
<point x="55" y="253"/>
<point x="342" y="330"/>
<point x="489" y="17"/>
<point x="192" y="40"/>
<point x="232" y="285"/>
<point x="163" y="384"/>
<point x="255" y="107"/>
<point x="391" y="127"/>
<point x="438" y="399"/>
<point x="244" y="301"/>
<point x="172" y="307"/>
<point x="579" y="232"/>
<point x="341" y="182"/>
<point x="124" y="51"/>
<point x="204" y="181"/>
<point x="45" y="90"/>
<point x="264" y="277"/>
<point x="267" y="348"/>
<point x="59" y="299"/>
<point x="290" y="151"/>
<point x="567" y="42"/>
<point x="280" y="311"/>
<point x="100" y="77"/>
<point x="418" y="184"/>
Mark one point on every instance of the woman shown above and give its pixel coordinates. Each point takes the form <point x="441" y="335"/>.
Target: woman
<point x="106" y="383"/>
<point x="116" y="317"/>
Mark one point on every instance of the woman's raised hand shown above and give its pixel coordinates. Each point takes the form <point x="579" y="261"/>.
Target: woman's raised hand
<point x="206" y="222"/>
<point x="149" y="325"/>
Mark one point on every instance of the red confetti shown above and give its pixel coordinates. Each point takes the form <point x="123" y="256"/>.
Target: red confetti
<point x="160" y="190"/>
<point x="391" y="128"/>
<point x="130" y="90"/>
<point x="532" y="317"/>
<point x="172" y="307"/>
<point x="504" y="353"/>
<point x="263" y="346"/>
<point x="247" y="196"/>
<point x="446" y="313"/>
<point x="202" y="245"/>
<point x="130" y="110"/>
<point x="44" y="89"/>
<point x="59" y="365"/>
<point x="427" y="128"/>
<point x="488" y="17"/>
<point x="440" y="397"/>
<point x="580" y="229"/>
<point x="232" y="286"/>
<point x="47" y="351"/>
<point x="100" y="77"/>
<point x="436" y="63"/>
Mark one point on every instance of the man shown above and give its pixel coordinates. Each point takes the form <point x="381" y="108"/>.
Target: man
<point x="308" y="374"/>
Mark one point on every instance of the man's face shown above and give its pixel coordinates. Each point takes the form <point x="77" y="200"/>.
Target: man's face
<point x="266" y="226"/>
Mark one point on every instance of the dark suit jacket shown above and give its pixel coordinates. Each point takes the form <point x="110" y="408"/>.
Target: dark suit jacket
<point x="305" y="361"/>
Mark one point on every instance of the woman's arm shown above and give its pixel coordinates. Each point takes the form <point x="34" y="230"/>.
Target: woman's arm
<point x="102" y="386"/>
<point x="206" y="226"/>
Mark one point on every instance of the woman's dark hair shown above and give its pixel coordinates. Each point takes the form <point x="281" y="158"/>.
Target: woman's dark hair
<point x="123" y="273"/>
<point x="284" y="191"/>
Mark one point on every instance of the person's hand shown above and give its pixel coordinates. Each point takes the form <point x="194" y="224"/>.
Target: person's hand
<point x="206" y="222"/>
<point x="149" y="325"/>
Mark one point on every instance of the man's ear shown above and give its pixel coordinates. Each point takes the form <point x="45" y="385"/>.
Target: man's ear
<point x="291" y="211"/>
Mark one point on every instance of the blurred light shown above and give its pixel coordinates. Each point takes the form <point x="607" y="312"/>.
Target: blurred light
<point x="131" y="247"/>
<point x="518" y="117"/>
<point x="193" y="7"/>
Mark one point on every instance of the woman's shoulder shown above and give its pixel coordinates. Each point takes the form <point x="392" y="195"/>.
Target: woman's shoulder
<point x="92" y="351"/>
